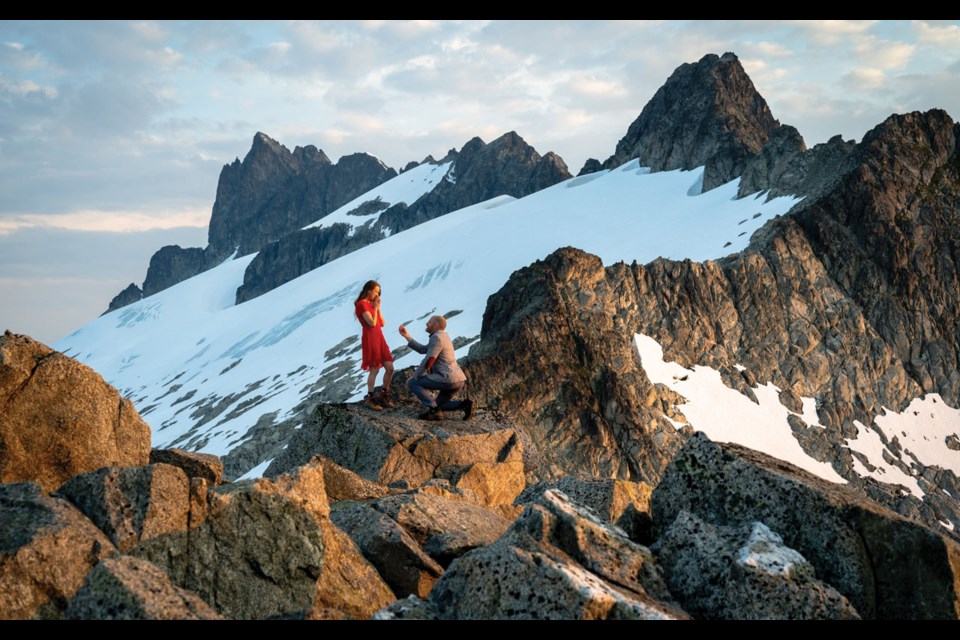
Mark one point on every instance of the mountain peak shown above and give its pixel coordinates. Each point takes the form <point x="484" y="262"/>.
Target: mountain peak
<point x="708" y="113"/>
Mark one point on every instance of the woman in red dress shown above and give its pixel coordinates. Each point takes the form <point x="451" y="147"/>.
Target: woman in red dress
<point x="376" y="353"/>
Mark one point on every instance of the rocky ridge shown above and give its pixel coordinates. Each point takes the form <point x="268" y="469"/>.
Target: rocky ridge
<point x="272" y="192"/>
<point x="851" y="300"/>
<point x="480" y="171"/>
<point x="731" y="533"/>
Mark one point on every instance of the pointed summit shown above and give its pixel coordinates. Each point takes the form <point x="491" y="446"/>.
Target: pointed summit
<point x="707" y="113"/>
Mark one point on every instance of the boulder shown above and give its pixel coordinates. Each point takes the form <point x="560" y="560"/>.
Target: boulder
<point x="131" y="504"/>
<point x="853" y="544"/>
<point x="47" y="547"/>
<point x="128" y="588"/>
<point x="60" y="418"/>
<point x="349" y="586"/>
<point x="195" y="465"/>
<point x="397" y="556"/>
<point x="743" y="573"/>
<point x="343" y="484"/>
<point x="621" y="502"/>
<point x="257" y="554"/>
<point x="530" y="573"/>
<point x="445" y="528"/>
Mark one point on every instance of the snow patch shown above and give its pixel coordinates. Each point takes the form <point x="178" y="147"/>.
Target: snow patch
<point x="726" y="415"/>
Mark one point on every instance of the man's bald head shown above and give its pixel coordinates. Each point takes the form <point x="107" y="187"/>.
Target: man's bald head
<point x="439" y="323"/>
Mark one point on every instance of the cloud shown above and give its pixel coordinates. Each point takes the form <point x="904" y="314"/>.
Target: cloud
<point x="832" y="32"/>
<point x="884" y="54"/>
<point x="864" y="79"/>
<point x="106" y="221"/>
<point x="945" y="36"/>
<point x="767" y="50"/>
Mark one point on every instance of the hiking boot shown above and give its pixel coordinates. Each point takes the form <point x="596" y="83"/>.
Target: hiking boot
<point x="383" y="399"/>
<point x="371" y="402"/>
<point x="467" y="409"/>
<point x="432" y="414"/>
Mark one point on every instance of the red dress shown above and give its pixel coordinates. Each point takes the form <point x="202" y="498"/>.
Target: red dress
<point x="374" y="346"/>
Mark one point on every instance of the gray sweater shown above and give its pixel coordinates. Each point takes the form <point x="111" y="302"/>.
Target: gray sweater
<point x="445" y="368"/>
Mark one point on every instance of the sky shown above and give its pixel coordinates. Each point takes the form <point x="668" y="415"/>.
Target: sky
<point x="113" y="134"/>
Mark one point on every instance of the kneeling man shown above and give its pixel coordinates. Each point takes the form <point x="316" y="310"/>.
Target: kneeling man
<point x="438" y="371"/>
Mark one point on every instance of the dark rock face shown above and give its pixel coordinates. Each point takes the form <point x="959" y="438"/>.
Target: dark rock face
<point x="128" y="296"/>
<point x="506" y="166"/>
<point x="128" y="588"/>
<point x="275" y="191"/>
<point x="299" y="252"/>
<point x="242" y="575"/>
<point x="785" y="167"/>
<point x="46" y="548"/>
<point x="885" y="565"/>
<point x="59" y="417"/>
<point x="173" y="264"/>
<point x="574" y="387"/>
<point x="708" y="114"/>
<point x="592" y="165"/>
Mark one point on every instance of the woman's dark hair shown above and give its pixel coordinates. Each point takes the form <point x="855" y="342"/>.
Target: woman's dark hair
<point x="367" y="287"/>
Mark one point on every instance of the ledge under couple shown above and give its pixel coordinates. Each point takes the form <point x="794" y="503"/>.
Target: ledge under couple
<point x="438" y="371"/>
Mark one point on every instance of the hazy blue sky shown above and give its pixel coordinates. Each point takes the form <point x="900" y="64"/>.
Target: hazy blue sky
<point x="113" y="134"/>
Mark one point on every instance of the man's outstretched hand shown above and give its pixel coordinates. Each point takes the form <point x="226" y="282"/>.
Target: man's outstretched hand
<point x="404" y="332"/>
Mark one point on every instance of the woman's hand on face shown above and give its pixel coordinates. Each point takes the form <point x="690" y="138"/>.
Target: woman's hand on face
<point x="376" y="302"/>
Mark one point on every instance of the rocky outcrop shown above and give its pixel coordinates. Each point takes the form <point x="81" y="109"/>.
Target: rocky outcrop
<point x="128" y="296"/>
<point x="46" y="549"/>
<point x="343" y="484"/>
<point x="553" y="358"/>
<point x="541" y="569"/>
<point x="743" y="573"/>
<point x="851" y="300"/>
<point x="506" y="166"/>
<point x="707" y="114"/>
<point x="853" y="544"/>
<point x="59" y="417"/>
<point x="240" y="574"/>
<point x="127" y="588"/>
<point x="195" y="465"/>
<point x="482" y="457"/>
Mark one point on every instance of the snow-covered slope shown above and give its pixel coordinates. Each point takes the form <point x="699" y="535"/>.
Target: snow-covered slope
<point x="405" y="188"/>
<point x="203" y="371"/>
